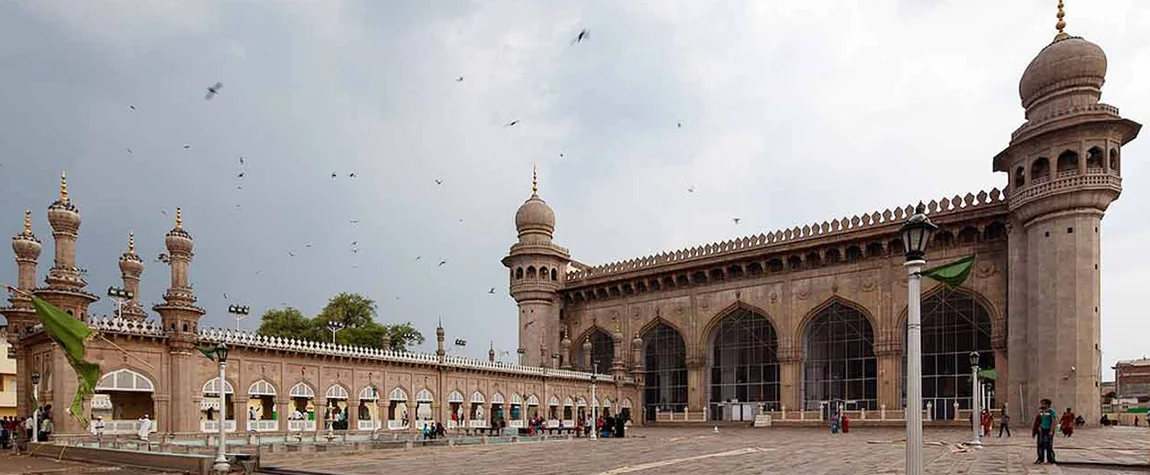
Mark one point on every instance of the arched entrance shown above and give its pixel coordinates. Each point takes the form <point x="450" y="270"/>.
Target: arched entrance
<point x="210" y="411"/>
<point x="497" y="404"/>
<point x="122" y="398"/>
<point x="516" y="411"/>
<point x="302" y="416"/>
<point x="336" y="410"/>
<point x="423" y="412"/>
<point x="477" y="417"/>
<point x="602" y="351"/>
<point x="262" y="416"/>
<point x="368" y="410"/>
<point x="397" y="415"/>
<point x="455" y="404"/>
<point x="743" y="366"/>
<point x="665" y="366"/>
<point x="839" y="365"/>
<point x="954" y="323"/>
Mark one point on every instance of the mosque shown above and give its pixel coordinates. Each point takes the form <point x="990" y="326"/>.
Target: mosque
<point x="794" y="321"/>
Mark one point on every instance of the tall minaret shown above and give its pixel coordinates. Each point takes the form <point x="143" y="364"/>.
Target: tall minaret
<point x="1064" y="166"/>
<point x="131" y="267"/>
<point x="20" y="314"/>
<point x="180" y="319"/>
<point x="440" y="350"/>
<point x="537" y="266"/>
<point x="65" y="283"/>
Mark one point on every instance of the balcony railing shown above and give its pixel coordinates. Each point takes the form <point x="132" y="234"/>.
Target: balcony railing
<point x="301" y="426"/>
<point x="476" y="424"/>
<point x="126" y="426"/>
<point x="212" y="427"/>
<point x="366" y="425"/>
<point x="515" y="424"/>
<point x="263" y="426"/>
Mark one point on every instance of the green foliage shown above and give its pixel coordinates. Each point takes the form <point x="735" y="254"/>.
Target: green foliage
<point x="357" y="315"/>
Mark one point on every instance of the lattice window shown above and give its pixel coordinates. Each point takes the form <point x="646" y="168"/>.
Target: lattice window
<point x="261" y="388"/>
<point x="954" y="323"/>
<point x="424" y="396"/>
<point x="368" y="393"/>
<point x="533" y="400"/>
<point x="602" y="352"/>
<point x="302" y="390"/>
<point x="397" y="394"/>
<point x="477" y="398"/>
<point x="744" y="362"/>
<point x="665" y="364"/>
<point x="497" y="398"/>
<point x="455" y="397"/>
<point x="125" y="380"/>
<point x="838" y="360"/>
<point x="213" y="387"/>
<point x="337" y="392"/>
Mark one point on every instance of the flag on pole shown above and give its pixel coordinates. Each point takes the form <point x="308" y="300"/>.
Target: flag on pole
<point x="71" y="334"/>
<point x="953" y="274"/>
<point x="208" y="351"/>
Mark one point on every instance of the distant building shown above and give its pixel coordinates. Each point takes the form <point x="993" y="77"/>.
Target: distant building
<point x="1132" y="379"/>
<point x="7" y="377"/>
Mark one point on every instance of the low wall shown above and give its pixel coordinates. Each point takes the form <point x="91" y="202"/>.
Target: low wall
<point x="201" y="464"/>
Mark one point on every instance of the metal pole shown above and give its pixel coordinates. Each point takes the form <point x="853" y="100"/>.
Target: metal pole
<point x="976" y="411"/>
<point x="595" y="404"/>
<point x="36" y="412"/>
<point x="221" y="464"/>
<point x="914" y="368"/>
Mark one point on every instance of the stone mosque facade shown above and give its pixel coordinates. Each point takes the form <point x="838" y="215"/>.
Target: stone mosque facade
<point x="791" y="321"/>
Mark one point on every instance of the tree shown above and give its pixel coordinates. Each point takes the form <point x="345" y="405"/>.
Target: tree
<point x="357" y="315"/>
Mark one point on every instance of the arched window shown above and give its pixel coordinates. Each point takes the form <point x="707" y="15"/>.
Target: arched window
<point x="943" y="238"/>
<point x="775" y="265"/>
<point x="854" y="253"/>
<point x="1094" y="157"/>
<point x="838" y="359"/>
<point x="1019" y="177"/>
<point x="397" y="394"/>
<point x="814" y="260"/>
<point x="123" y="395"/>
<point x="519" y="273"/>
<point x="602" y="351"/>
<point x="1040" y="169"/>
<point x="795" y="262"/>
<point x="530" y="272"/>
<point x="1068" y="162"/>
<point x="368" y="393"/>
<point x="874" y="249"/>
<point x="543" y="273"/>
<point x="125" y="380"/>
<point x="954" y="323"/>
<point x="213" y="387"/>
<point x="554" y="274"/>
<point x="336" y="392"/>
<point x="743" y="361"/>
<point x="665" y="364"/>
<point x="1114" y="160"/>
<point x="302" y="390"/>
<point x="261" y="388"/>
<point x="968" y="235"/>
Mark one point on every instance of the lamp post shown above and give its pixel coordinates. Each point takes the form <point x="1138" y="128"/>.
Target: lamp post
<point x="975" y="411"/>
<point x="334" y="326"/>
<point x="521" y="352"/>
<point x="594" y="400"/>
<point x="36" y="410"/>
<point x="916" y="233"/>
<point x="221" y="464"/>
<point x="120" y="297"/>
<point x="240" y="312"/>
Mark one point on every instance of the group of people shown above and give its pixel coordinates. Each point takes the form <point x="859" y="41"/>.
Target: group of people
<point x="609" y="426"/>
<point x="16" y="431"/>
<point x="840" y="421"/>
<point x="433" y="432"/>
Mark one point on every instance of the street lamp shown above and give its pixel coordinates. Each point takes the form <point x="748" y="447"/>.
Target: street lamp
<point x="240" y="312"/>
<point x="594" y="400"/>
<point x="975" y="411"/>
<point x="521" y="352"/>
<point x="36" y="411"/>
<point x="120" y="297"/>
<point x="334" y="326"/>
<point x="916" y="233"/>
<point x="221" y="464"/>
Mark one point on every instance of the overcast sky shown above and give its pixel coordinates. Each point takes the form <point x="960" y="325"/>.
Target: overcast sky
<point x="791" y="111"/>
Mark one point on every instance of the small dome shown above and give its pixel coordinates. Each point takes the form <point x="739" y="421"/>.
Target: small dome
<point x="535" y="215"/>
<point x="63" y="217"/>
<point x="1066" y="63"/>
<point x="131" y="264"/>
<point x="26" y="246"/>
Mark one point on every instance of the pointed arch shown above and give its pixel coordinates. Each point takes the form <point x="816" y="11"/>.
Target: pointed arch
<point x="532" y="400"/>
<point x="336" y="391"/>
<point x="727" y="311"/>
<point x="302" y="389"/>
<point x="455" y="397"/>
<point x="125" y="379"/>
<point x="497" y="398"/>
<point x="397" y="394"/>
<point x="477" y="398"/>
<point x="665" y="367"/>
<point x="516" y="399"/>
<point x="801" y="329"/>
<point x="424" y="395"/>
<point x="602" y="348"/>
<point x="368" y="393"/>
<point x="838" y="357"/>
<point x="213" y="386"/>
<point x="262" y="387"/>
<point x="742" y="345"/>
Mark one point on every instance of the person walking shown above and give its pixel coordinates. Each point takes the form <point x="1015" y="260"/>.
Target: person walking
<point x="1004" y="423"/>
<point x="1044" y="431"/>
<point x="1067" y="423"/>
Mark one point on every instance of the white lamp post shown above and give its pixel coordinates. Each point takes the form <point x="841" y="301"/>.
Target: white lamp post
<point x="221" y="464"/>
<point x="120" y="297"/>
<point x="976" y="412"/>
<point x="594" y="401"/>
<point x="334" y="326"/>
<point x="916" y="234"/>
<point x="240" y="312"/>
<point x="36" y="411"/>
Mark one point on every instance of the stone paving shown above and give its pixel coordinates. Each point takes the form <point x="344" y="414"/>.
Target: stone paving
<point x="26" y="465"/>
<point x="737" y="450"/>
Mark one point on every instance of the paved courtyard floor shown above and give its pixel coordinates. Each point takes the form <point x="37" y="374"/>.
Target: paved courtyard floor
<point x="744" y="451"/>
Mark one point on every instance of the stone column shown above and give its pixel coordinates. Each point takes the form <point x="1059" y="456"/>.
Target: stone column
<point x="889" y="364"/>
<point x="353" y="414"/>
<point x="284" y="411"/>
<point x="790" y="375"/>
<point x="696" y="381"/>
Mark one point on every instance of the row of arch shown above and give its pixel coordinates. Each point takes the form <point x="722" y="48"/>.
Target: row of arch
<point x="991" y="231"/>
<point x="530" y="274"/>
<point x="1068" y="162"/>
<point x="837" y="357"/>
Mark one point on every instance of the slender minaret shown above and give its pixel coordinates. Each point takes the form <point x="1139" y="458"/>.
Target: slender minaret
<point x="537" y="268"/>
<point x="565" y="351"/>
<point x="66" y="285"/>
<point x="1064" y="166"/>
<point x="587" y="355"/>
<point x="180" y="318"/>
<point x="131" y="268"/>
<point x="491" y="352"/>
<point x="618" y="369"/>
<point x="440" y="351"/>
<point x="20" y="314"/>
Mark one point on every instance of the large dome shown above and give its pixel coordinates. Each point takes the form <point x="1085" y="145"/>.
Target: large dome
<point x="535" y="215"/>
<point x="1067" y="63"/>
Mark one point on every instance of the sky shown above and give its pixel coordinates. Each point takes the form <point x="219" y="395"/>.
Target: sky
<point x="791" y="112"/>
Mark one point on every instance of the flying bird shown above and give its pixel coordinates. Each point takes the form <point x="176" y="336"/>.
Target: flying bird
<point x="512" y="123"/>
<point x="351" y="175"/>
<point x="679" y="124"/>
<point x="163" y="257"/>
<point x="240" y="175"/>
<point x="332" y="175"/>
<point x="459" y="79"/>
<point x="131" y="107"/>
<point x="225" y="295"/>
<point x="129" y="150"/>
<point x="307" y="245"/>
<point x="291" y="253"/>
<point x="561" y="155"/>
<point x="353" y="243"/>
<point x="417" y="258"/>
<point x="241" y="159"/>
<point x="238" y="187"/>
<point x="438" y="182"/>
<point x="441" y="263"/>
<point x="355" y="221"/>
<point x="213" y="90"/>
<point x="736" y="220"/>
<point x="691" y="189"/>
<point x="187" y="146"/>
<point x="491" y="291"/>
<point x="583" y="35"/>
<point x="164" y="211"/>
<point x="355" y="251"/>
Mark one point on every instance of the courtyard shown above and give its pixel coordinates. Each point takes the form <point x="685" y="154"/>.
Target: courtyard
<point x="741" y="450"/>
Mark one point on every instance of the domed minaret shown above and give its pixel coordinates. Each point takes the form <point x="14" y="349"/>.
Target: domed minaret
<point x="565" y="351"/>
<point x="178" y="313"/>
<point x="27" y="249"/>
<point x="538" y="266"/>
<point x="637" y="360"/>
<point x="131" y="267"/>
<point x="1064" y="166"/>
<point x="65" y="284"/>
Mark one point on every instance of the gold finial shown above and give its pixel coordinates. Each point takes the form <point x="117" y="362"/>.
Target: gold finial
<point x="27" y="222"/>
<point x="63" y="186"/>
<point x="534" y="179"/>
<point x="618" y="327"/>
<point x="131" y="242"/>
<point x="179" y="218"/>
<point x="1061" y="23"/>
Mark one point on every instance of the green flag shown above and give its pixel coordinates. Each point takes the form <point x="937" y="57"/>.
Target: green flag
<point x="990" y="374"/>
<point x="208" y="351"/>
<point x="71" y="334"/>
<point x="953" y="274"/>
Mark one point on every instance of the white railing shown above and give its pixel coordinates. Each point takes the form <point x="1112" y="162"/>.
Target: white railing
<point x="214" y="426"/>
<point x="366" y="425"/>
<point x="476" y="424"/>
<point x="298" y="426"/>
<point x="569" y="423"/>
<point x="552" y="423"/>
<point x="395" y="425"/>
<point x="263" y="426"/>
<point x="126" y="426"/>
<point x="451" y="425"/>
<point x="514" y="424"/>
